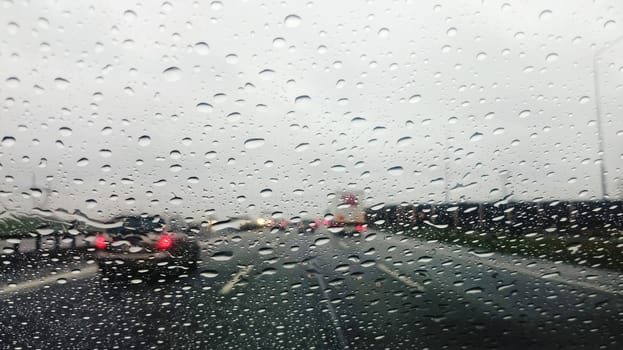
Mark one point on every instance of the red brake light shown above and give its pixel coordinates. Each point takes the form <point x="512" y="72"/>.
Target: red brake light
<point x="361" y="228"/>
<point x="165" y="242"/>
<point x="100" y="242"/>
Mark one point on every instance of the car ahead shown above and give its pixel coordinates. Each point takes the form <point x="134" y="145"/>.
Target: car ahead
<point x="145" y="244"/>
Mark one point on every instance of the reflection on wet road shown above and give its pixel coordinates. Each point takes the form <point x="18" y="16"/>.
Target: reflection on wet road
<point x="273" y="290"/>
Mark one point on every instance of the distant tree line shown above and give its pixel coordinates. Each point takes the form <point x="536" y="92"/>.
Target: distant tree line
<point x="515" y="218"/>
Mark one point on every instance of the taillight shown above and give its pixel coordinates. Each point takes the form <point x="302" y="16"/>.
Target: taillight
<point x="100" y="242"/>
<point x="361" y="228"/>
<point x="165" y="242"/>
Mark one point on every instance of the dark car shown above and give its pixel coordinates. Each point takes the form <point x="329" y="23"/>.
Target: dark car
<point x="145" y="244"/>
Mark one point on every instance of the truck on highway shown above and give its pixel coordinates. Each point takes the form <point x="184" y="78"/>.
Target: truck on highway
<point x="348" y="213"/>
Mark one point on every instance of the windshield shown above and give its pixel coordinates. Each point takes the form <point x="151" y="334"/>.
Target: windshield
<point x="311" y="175"/>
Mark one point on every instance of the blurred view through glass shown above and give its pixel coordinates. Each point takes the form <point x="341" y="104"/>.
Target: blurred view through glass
<point x="313" y="175"/>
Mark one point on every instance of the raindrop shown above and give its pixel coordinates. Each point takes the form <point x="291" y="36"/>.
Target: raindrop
<point x="172" y="74"/>
<point x="498" y="131"/>
<point x="395" y="171"/>
<point x="216" y="5"/>
<point x="338" y="168"/>
<point x="204" y="107"/>
<point x="65" y="131"/>
<point x="415" y="98"/>
<point x="584" y="99"/>
<point x="322" y="240"/>
<point x="106" y="153"/>
<point x="481" y="56"/>
<point x="267" y="192"/>
<point x="404" y="141"/>
<point x="476" y="137"/>
<point x="552" y="57"/>
<point x="301" y="147"/>
<point x="208" y="273"/>
<point x="12" y="82"/>
<point x="302" y="100"/>
<point x="7" y="141"/>
<point x="292" y="21"/>
<point x="265" y="251"/>
<point x="129" y="15"/>
<point x="61" y="83"/>
<point x="545" y="15"/>
<point x="233" y="117"/>
<point x="176" y="200"/>
<point x="61" y="281"/>
<point x="451" y="32"/>
<point x="474" y="290"/>
<point x="610" y="24"/>
<point x="254" y="143"/>
<point x="370" y="237"/>
<point x="279" y="42"/>
<point x="383" y="33"/>
<point x="222" y="256"/>
<point x="267" y="74"/>
<point x="202" y="48"/>
<point x="82" y="162"/>
<point x="144" y="140"/>
<point x="231" y="58"/>
<point x="524" y="114"/>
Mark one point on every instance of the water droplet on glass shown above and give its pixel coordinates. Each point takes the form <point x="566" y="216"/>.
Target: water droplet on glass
<point x="302" y="100"/>
<point x="498" y="131"/>
<point x="267" y="74"/>
<point x="204" y="107"/>
<point x="144" y="140"/>
<point x="82" y="162"/>
<point x="476" y="137"/>
<point x="481" y="56"/>
<point x="222" y="256"/>
<point x="61" y="83"/>
<point x="322" y="240"/>
<point x="552" y="57"/>
<point x="254" y="143"/>
<point x="415" y="98"/>
<point x="404" y="141"/>
<point x="172" y="74"/>
<point x="279" y="42"/>
<point x="202" y="48"/>
<point x="7" y="141"/>
<point x="545" y="15"/>
<point x="584" y="99"/>
<point x="65" y="131"/>
<point x="524" y="114"/>
<point x="12" y="82"/>
<point x="129" y="15"/>
<point x="395" y="171"/>
<point x="267" y="192"/>
<point x="231" y="58"/>
<point x="292" y="21"/>
<point x="383" y="33"/>
<point x="451" y="31"/>
<point x="301" y="147"/>
<point x="208" y="273"/>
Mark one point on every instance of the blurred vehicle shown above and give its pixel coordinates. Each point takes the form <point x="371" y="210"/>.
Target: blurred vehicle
<point x="349" y="214"/>
<point x="145" y="243"/>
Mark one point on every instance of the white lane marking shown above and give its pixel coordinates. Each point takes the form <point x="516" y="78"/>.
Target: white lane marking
<point x="402" y="278"/>
<point x="229" y="286"/>
<point x="51" y="279"/>
<point x="552" y="277"/>
<point x="336" y="323"/>
<point x="474" y="258"/>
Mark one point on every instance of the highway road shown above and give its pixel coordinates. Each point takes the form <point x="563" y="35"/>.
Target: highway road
<point x="278" y="290"/>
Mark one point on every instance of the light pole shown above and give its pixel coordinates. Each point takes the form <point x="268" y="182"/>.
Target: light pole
<point x="602" y="166"/>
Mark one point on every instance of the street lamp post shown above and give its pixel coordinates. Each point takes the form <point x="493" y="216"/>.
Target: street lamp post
<point x="602" y="166"/>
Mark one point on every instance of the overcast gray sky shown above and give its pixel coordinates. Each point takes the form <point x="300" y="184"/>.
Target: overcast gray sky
<point x="248" y="106"/>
